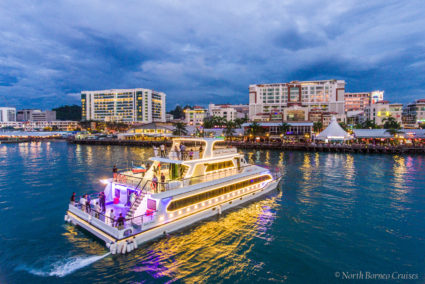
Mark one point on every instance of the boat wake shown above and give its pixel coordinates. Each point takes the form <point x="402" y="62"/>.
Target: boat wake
<point x="63" y="267"/>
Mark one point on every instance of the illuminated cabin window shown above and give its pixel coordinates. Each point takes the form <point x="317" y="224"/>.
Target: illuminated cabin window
<point x="219" y="166"/>
<point x="184" y="202"/>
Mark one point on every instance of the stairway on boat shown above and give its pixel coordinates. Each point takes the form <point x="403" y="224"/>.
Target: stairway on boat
<point x="134" y="206"/>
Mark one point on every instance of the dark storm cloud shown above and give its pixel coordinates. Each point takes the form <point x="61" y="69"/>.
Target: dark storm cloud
<point x="202" y="52"/>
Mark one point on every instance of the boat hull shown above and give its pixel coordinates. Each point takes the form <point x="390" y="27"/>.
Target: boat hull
<point x="174" y="225"/>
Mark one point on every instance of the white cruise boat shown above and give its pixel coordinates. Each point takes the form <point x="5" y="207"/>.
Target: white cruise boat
<point x="204" y="180"/>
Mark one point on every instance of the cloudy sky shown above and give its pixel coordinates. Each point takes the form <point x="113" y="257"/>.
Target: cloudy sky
<point x="206" y="51"/>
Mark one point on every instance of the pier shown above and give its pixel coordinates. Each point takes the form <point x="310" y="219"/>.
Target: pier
<point x="296" y="146"/>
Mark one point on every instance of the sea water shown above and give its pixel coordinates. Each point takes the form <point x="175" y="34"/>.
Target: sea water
<point x="337" y="217"/>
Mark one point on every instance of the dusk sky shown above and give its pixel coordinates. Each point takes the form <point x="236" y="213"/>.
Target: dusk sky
<point x="199" y="52"/>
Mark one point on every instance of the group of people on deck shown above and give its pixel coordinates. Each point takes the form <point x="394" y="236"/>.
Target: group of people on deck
<point x="99" y="209"/>
<point x="154" y="183"/>
<point x="179" y="152"/>
<point x="162" y="149"/>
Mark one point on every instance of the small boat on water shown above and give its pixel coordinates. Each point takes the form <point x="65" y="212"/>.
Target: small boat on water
<point x="197" y="179"/>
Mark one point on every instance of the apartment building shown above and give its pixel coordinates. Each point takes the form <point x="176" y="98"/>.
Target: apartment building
<point x="124" y="105"/>
<point x="229" y="112"/>
<point x="414" y="113"/>
<point x="383" y="109"/>
<point x="272" y="99"/>
<point x="7" y="114"/>
<point x="195" y="116"/>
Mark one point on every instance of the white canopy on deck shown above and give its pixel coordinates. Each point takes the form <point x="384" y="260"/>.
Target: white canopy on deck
<point x="333" y="132"/>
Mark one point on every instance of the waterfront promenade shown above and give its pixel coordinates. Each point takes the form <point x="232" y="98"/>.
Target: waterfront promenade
<point x="296" y="146"/>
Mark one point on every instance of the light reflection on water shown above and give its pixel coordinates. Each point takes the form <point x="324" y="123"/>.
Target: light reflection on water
<point x="336" y="212"/>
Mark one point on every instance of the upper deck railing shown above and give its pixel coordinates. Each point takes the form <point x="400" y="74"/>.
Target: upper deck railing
<point x="152" y="186"/>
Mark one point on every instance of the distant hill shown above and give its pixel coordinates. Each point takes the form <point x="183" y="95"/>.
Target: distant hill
<point x="72" y="112"/>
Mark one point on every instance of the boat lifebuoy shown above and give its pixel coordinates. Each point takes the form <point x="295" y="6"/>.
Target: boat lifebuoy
<point x="153" y="186"/>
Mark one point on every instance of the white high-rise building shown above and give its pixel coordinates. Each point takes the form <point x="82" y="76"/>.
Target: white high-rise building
<point x="7" y="114"/>
<point x="270" y="99"/>
<point x="126" y="105"/>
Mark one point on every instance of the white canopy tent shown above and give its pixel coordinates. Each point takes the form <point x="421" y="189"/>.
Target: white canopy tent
<point x="333" y="132"/>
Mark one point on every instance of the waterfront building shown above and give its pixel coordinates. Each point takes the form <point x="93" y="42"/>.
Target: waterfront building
<point x="62" y="125"/>
<point x="124" y="105"/>
<point x="325" y="117"/>
<point x="414" y="113"/>
<point x="7" y="114"/>
<point x="273" y="129"/>
<point x="383" y="109"/>
<point x="227" y="111"/>
<point x="195" y="116"/>
<point x="357" y="101"/>
<point x="35" y="115"/>
<point x="327" y="95"/>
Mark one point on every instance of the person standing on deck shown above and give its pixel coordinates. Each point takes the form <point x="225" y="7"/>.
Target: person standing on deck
<point x="120" y="221"/>
<point x="155" y="151"/>
<point x="162" y="182"/>
<point x="83" y="203"/>
<point x="102" y="201"/>
<point x="73" y="199"/>
<point x="115" y="172"/>
<point x="177" y="150"/>
<point x="88" y="206"/>
<point x="154" y="183"/>
<point x="96" y="210"/>
<point x="162" y="147"/>
<point x="111" y="219"/>
<point x="182" y="149"/>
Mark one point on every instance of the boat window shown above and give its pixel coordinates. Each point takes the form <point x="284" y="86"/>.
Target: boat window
<point x="151" y="204"/>
<point x="187" y="201"/>
<point x="219" y="166"/>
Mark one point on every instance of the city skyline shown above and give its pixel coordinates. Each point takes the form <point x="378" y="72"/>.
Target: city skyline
<point x="198" y="54"/>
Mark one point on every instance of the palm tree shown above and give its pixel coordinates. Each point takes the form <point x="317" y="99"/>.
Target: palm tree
<point x="391" y="123"/>
<point x="230" y="128"/>
<point x="220" y="121"/>
<point x="370" y="124"/>
<point x="343" y="125"/>
<point x="255" y="129"/>
<point x="284" y="127"/>
<point x="239" y="121"/>
<point x="317" y="126"/>
<point x="393" y="131"/>
<point x="209" y="122"/>
<point x="180" y="129"/>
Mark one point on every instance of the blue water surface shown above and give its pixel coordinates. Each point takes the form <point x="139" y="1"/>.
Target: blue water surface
<point x="337" y="217"/>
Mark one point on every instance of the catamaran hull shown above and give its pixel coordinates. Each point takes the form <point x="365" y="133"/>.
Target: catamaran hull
<point x="127" y="244"/>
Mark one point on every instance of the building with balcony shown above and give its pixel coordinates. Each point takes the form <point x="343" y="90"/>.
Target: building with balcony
<point x="7" y="114"/>
<point x="357" y="101"/>
<point x="414" y="113"/>
<point x="123" y="105"/>
<point x="195" y="116"/>
<point x="383" y="109"/>
<point x="326" y="95"/>
<point x="229" y="112"/>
